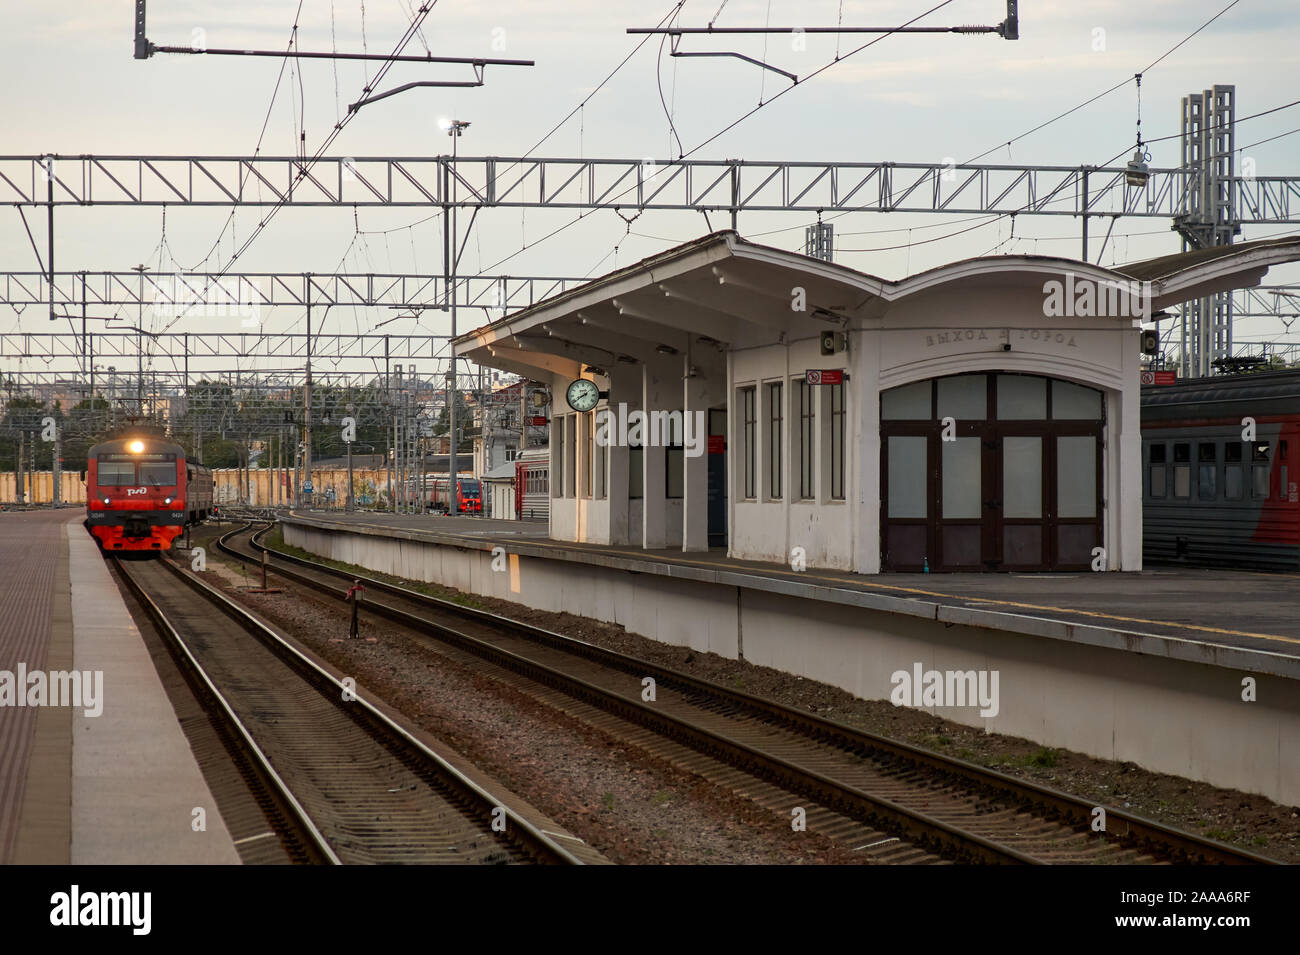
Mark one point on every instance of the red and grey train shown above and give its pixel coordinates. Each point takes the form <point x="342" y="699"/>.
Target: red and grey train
<point x="141" y="493"/>
<point x="1219" y="477"/>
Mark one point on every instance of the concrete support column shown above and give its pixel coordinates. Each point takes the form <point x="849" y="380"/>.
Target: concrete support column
<point x="1123" y="470"/>
<point x="862" y="454"/>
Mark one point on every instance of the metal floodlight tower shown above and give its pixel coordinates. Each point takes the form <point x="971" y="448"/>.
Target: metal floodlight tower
<point x="1208" y="219"/>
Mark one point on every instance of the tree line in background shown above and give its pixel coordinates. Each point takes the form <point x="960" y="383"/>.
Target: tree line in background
<point x="227" y="425"/>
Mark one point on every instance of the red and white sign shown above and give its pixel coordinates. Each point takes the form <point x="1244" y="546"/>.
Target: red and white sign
<point x="538" y="420"/>
<point x="826" y="376"/>
<point x="1159" y="377"/>
<point x="717" y="443"/>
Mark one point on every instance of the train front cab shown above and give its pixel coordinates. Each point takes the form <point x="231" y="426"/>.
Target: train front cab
<point x="469" y="494"/>
<point x="135" y="499"/>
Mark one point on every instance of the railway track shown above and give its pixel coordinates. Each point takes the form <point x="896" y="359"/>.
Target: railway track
<point x="350" y="785"/>
<point x="910" y="804"/>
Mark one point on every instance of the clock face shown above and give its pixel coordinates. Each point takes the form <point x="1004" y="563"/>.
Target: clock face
<point x="583" y="394"/>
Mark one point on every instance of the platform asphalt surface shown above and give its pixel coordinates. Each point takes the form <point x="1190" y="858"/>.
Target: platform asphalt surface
<point x="1238" y="608"/>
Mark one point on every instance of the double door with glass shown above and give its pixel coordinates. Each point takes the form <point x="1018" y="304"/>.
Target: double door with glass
<point x="1003" y="474"/>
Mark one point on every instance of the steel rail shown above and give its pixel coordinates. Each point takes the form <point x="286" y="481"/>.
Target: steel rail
<point x="1133" y="830"/>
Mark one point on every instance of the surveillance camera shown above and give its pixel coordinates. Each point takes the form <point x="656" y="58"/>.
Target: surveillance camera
<point x="1006" y="346"/>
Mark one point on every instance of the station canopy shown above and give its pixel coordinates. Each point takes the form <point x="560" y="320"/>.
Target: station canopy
<point x="722" y="288"/>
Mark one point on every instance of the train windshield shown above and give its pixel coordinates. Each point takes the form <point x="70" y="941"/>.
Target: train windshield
<point x="161" y="474"/>
<point x="116" y="473"/>
<point x="469" y="488"/>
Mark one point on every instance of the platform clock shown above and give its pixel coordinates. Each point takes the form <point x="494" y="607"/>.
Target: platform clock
<point x="583" y="394"/>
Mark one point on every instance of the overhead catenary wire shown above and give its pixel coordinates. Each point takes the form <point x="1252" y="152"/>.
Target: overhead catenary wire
<point x="1088" y="102"/>
<point x="306" y="165"/>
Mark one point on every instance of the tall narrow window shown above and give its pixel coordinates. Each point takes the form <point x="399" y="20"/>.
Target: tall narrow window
<point x="599" y="459"/>
<point x="635" y="472"/>
<point x="1182" y="470"/>
<point x="748" y="442"/>
<point x="559" y="455"/>
<point x="772" y="453"/>
<point x="838" y="418"/>
<point x="571" y="455"/>
<point x="674" y="472"/>
<point x="1157" y="469"/>
<point x="586" y="441"/>
<point x="1232" y="477"/>
<point x="1207" y="471"/>
<point x="806" y="415"/>
<point x="1261" y="464"/>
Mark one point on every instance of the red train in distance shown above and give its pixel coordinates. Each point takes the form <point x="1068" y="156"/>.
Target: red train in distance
<point x="468" y="491"/>
<point x="141" y="492"/>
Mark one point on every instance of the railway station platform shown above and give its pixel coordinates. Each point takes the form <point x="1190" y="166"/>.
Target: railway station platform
<point x="103" y="774"/>
<point x="1187" y="671"/>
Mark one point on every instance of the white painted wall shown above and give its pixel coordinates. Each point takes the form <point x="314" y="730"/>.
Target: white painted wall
<point x="943" y="332"/>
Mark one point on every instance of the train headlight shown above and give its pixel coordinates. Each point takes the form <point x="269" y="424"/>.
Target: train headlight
<point x="105" y="500"/>
<point x="167" y="500"/>
<point x="136" y="447"/>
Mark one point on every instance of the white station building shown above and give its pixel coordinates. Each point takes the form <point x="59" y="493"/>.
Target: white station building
<point x="979" y="416"/>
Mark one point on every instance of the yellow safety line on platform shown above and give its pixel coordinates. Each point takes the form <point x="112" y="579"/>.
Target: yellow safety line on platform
<point x="854" y="584"/>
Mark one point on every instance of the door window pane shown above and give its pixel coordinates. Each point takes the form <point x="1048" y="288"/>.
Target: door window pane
<point x="1075" y="402"/>
<point x="1022" y="398"/>
<point x="1022" y="477"/>
<point x="963" y="397"/>
<point x="961" y="479"/>
<point x="1076" y="476"/>
<point x="906" y="403"/>
<point x="907" y="469"/>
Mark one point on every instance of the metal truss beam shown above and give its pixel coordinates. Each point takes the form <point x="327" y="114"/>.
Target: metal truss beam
<point x="569" y="183"/>
<point x="192" y="292"/>
<point x="67" y="381"/>
<point x="105" y="346"/>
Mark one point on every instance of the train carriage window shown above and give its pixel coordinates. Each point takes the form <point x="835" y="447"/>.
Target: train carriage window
<point x="1260" y="465"/>
<point x="1232" y="476"/>
<point x="1182" y="470"/>
<point x="1158" y="483"/>
<point x="116" y="473"/>
<point x="1207" y="471"/>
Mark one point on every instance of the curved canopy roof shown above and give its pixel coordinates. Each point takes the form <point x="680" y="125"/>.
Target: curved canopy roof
<point x="736" y="292"/>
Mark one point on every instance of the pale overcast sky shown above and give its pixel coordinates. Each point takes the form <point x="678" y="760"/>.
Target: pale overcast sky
<point x="73" y="88"/>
